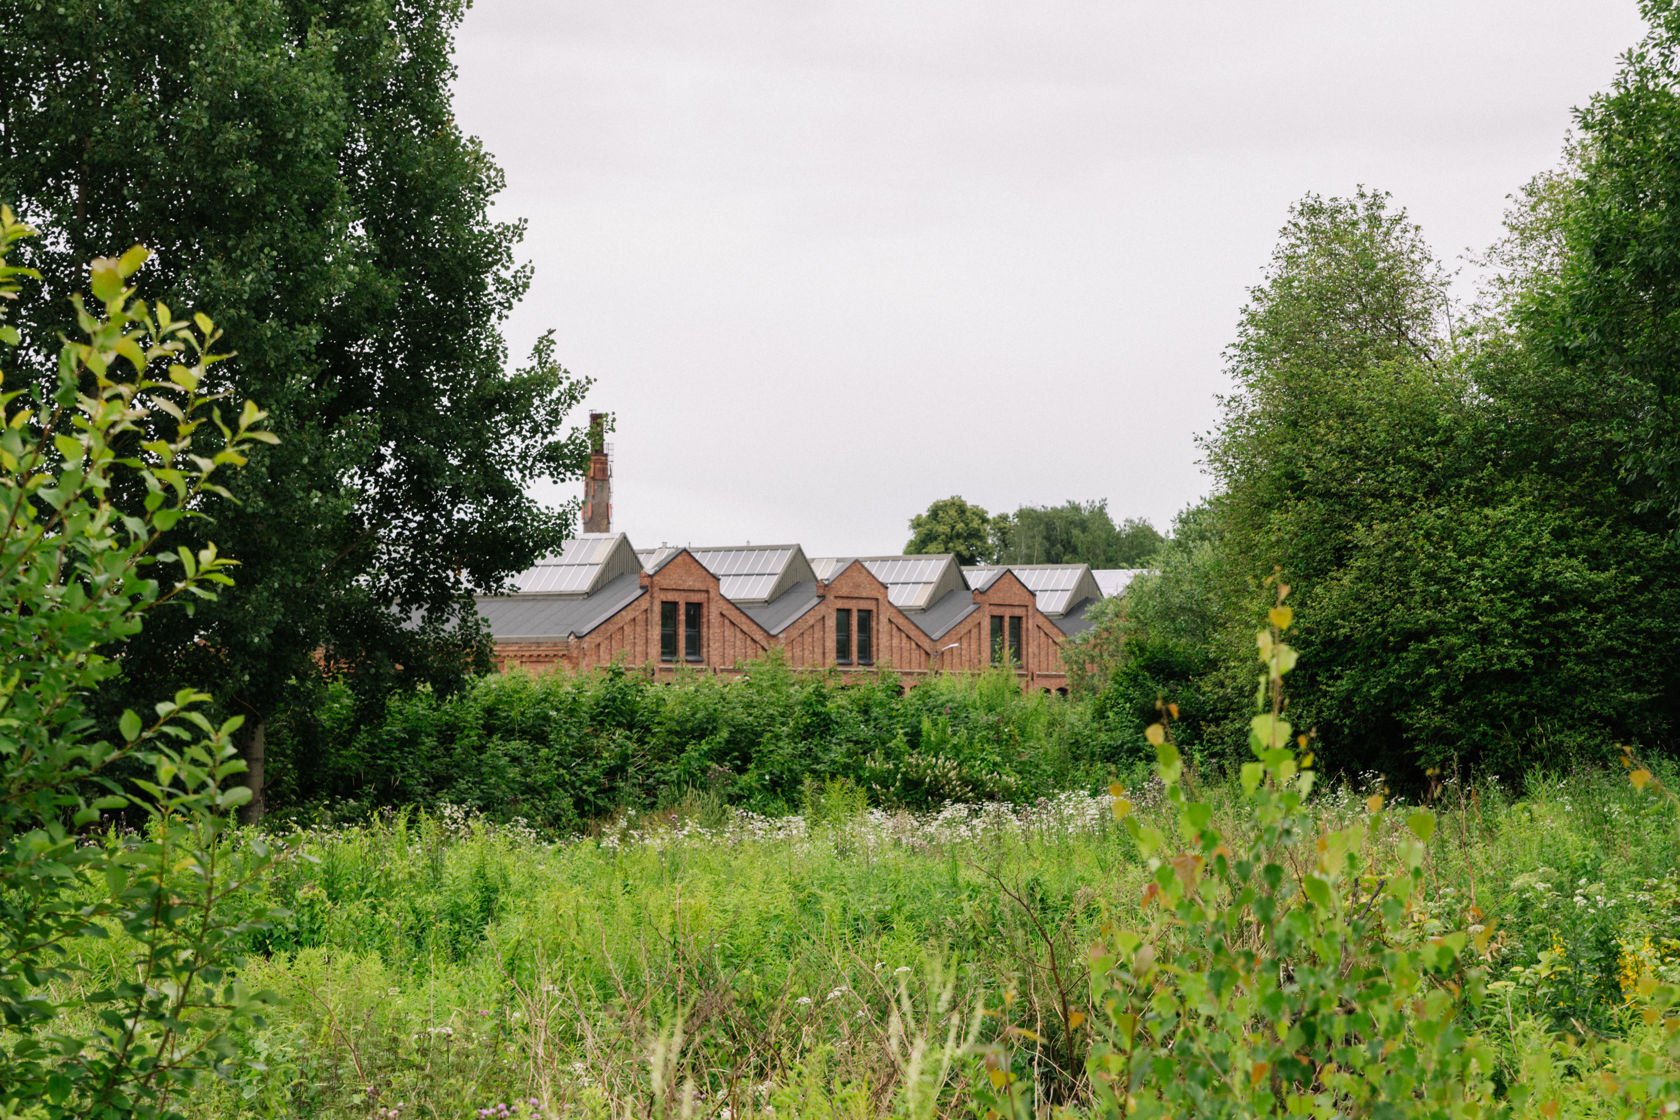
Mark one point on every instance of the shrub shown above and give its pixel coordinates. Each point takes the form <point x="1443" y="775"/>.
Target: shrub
<point x="78" y="576"/>
<point x="1282" y="965"/>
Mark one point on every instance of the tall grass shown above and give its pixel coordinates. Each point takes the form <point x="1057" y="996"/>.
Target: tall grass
<point x="841" y="963"/>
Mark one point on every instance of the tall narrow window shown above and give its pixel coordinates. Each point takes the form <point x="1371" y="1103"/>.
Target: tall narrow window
<point x="866" y="637"/>
<point x="843" y="636"/>
<point x="1015" y="657"/>
<point x="997" y="639"/>
<point x="691" y="631"/>
<point x="667" y="631"/>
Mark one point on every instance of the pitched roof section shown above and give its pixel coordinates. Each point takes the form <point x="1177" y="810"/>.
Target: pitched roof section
<point x="532" y="617"/>
<point x="786" y="609"/>
<point x="653" y="559"/>
<point x="827" y="567"/>
<point x="588" y="563"/>
<point x="756" y="573"/>
<point x="915" y="583"/>
<point x="1058" y="587"/>
<point x="1113" y="581"/>
<point x="944" y="613"/>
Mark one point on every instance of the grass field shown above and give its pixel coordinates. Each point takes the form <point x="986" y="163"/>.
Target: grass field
<point x="844" y="962"/>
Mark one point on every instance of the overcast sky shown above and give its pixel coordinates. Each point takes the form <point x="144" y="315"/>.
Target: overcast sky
<point x="828" y="262"/>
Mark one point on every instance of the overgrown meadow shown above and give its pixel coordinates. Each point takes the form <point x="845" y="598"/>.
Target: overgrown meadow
<point x="851" y="961"/>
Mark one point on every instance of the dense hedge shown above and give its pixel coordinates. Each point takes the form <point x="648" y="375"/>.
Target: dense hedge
<point x="562" y="750"/>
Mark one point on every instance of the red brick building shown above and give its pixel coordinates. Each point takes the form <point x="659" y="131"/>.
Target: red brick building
<point x="712" y="609"/>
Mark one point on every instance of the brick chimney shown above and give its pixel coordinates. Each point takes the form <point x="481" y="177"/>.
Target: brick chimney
<point x="597" y="484"/>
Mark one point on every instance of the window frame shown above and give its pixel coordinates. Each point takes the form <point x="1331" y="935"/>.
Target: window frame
<point x="863" y="644"/>
<point x="843" y="648"/>
<point x="670" y="623"/>
<point x="1008" y="636"/>
<point x="693" y="645"/>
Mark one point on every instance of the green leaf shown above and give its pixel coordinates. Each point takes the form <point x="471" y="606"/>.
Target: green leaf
<point x="1170" y="764"/>
<point x="106" y="279"/>
<point x="1422" y="824"/>
<point x="1252" y="772"/>
<point x="1269" y="731"/>
<point x="1318" y="890"/>
<point x="68" y="446"/>
<point x="129" y="263"/>
<point x="129" y="724"/>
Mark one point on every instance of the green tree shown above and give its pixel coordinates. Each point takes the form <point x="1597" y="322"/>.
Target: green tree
<point x="955" y="526"/>
<point x="1074" y="533"/>
<point x="1606" y="315"/>
<point x="1468" y="572"/>
<point x="300" y="162"/>
<point x="79" y="576"/>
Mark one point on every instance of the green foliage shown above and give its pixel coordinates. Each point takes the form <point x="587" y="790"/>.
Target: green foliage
<point x="563" y="750"/>
<point x="301" y="164"/>
<point x="1281" y="964"/>
<point x="955" y="526"/>
<point x="1446" y="495"/>
<point x="1608" y="313"/>
<point x="1074" y="533"/>
<point x="130" y="410"/>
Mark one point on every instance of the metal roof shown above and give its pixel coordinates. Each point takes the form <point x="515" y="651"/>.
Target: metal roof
<point x="1058" y="586"/>
<point x="826" y="568"/>
<point x="1074" y="620"/>
<point x="653" y="559"/>
<point x="980" y="576"/>
<point x="944" y="613"/>
<point x="555" y="617"/>
<point x="587" y="563"/>
<point x="787" y="608"/>
<point x="755" y="573"/>
<point x="916" y="582"/>
<point x="1113" y="581"/>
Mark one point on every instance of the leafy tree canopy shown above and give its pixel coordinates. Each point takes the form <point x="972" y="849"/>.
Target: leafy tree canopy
<point x="1074" y="533"/>
<point x="955" y="526"/>
<point x="298" y="169"/>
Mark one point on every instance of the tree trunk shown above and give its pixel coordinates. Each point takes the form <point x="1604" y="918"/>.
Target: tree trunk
<point x="251" y="738"/>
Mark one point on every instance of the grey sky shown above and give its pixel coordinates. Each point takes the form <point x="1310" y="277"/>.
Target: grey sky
<point x="828" y="262"/>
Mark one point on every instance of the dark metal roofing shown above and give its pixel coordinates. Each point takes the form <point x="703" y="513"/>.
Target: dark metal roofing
<point x="532" y="617"/>
<point x="1073" y="620"/>
<point x="782" y="611"/>
<point x="951" y="608"/>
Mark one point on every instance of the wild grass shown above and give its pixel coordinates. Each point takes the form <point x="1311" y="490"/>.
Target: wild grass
<point x="845" y="962"/>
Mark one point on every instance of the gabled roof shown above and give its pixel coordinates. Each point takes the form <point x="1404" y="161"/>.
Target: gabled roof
<point x="1057" y="587"/>
<point x="588" y="563"/>
<point x="755" y="573"/>
<point x="1113" y="581"/>
<point x="915" y="583"/>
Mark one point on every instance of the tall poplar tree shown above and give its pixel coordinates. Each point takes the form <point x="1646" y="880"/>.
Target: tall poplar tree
<point x="297" y="169"/>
